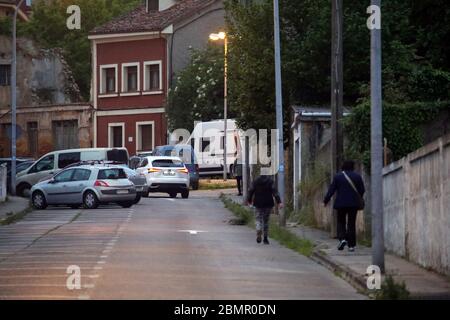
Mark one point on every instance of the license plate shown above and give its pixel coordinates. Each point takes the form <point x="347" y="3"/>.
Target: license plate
<point x="140" y="189"/>
<point x="169" y="173"/>
<point x="122" y="191"/>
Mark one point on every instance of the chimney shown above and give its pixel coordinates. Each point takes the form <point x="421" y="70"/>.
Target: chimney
<point x="158" y="5"/>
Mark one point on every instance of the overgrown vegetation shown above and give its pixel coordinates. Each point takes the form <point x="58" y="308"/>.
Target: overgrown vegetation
<point x="416" y="62"/>
<point x="282" y="235"/>
<point x="47" y="27"/>
<point x="391" y="290"/>
<point x="402" y="127"/>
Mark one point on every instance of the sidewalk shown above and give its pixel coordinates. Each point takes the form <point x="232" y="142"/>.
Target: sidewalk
<point x="12" y="207"/>
<point x="421" y="283"/>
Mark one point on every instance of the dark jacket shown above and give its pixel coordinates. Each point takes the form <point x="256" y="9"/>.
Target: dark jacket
<point x="346" y="196"/>
<point x="262" y="192"/>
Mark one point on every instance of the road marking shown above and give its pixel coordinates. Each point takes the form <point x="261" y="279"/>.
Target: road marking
<point x="193" y="232"/>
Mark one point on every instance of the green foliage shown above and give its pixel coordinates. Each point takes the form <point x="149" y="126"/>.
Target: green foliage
<point x="401" y="127"/>
<point x="416" y="64"/>
<point x="47" y="27"/>
<point x="391" y="290"/>
<point x="198" y="92"/>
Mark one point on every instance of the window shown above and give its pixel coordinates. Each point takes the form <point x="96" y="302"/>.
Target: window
<point x="32" y="132"/>
<point x="116" y="135"/>
<point x="206" y="142"/>
<point x="113" y="174"/>
<point x="130" y="77"/>
<point x="152" y="5"/>
<point x="108" y="79"/>
<point x="153" y="76"/>
<point x="66" y="159"/>
<point x="167" y="163"/>
<point x="46" y="164"/>
<point x="5" y="74"/>
<point x="64" y="176"/>
<point x="81" y="175"/>
<point x="117" y="155"/>
<point x="143" y="163"/>
<point x="65" y="134"/>
<point x="145" y="136"/>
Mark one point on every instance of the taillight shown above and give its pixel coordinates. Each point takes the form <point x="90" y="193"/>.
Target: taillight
<point x="100" y="183"/>
<point x="184" y="170"/>
<point x="151" y="170"/>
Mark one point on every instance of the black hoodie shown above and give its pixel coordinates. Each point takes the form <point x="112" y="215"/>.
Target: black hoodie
<point x="262" y="192"/>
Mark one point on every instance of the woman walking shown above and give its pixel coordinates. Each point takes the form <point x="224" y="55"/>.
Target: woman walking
<point x="349" y="188"/>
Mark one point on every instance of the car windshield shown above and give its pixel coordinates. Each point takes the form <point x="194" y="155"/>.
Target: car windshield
<point x="112" y="173"/>
<point x="167" y="163"/>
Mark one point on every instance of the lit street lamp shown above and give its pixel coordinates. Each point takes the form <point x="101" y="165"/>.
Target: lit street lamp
<point x="216" y="37"/>
<point x="14" y="99"/>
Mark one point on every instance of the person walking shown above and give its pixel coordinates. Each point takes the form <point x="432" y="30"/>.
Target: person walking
<point x="349" y="188"/>
<point x="237" y="172"/>
<point x="261" y="195"/>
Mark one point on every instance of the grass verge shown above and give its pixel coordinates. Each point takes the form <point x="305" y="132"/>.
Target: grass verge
<point x="282" y="235"/>
<point x="214" y="184"/>
<point x="16" y="217"/>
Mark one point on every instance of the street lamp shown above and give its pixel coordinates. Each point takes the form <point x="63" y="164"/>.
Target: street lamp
<point x="14" y="99"/>
<point x="217" y="37"/>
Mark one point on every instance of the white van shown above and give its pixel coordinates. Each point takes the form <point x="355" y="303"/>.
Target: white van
<point x="53" y="162"/>
<point x="207" y="140"/>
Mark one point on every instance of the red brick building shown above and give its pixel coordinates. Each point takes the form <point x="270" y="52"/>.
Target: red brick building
<point x="132" y="58"/>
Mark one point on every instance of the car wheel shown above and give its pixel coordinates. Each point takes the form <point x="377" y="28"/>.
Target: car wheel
<point x="137" y="199"/>
<point x="38" y="200"/>
<point x="195" y="186"/>
<point x="90" y="200"/>
<point x="185" y="194"/>
<point x="23" y="190"/>
<point x="173" y="194"/>
<point x="125" y="204"/>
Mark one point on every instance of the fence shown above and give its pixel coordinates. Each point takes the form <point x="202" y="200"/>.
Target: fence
<point x="3" y="173"/>
<point x="417" y="206"/>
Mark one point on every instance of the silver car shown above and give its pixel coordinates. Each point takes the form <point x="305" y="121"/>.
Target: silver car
<point x="139" y="181"/>
<point x="166" y="174"/>
<point x="85" y="185"/>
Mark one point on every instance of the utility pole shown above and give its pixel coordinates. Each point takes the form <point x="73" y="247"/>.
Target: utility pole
<point x="376" y="141"/>
<point x="14" y="100"/>
<point x="337" y="92"/>
<point x="225" y="110"/>
<point x="279" y="107"/>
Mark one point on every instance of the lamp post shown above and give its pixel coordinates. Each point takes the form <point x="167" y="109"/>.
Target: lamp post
<point x="216" y="37"/>
<point x="279" y="106"/>
<point x="14" y="99"/>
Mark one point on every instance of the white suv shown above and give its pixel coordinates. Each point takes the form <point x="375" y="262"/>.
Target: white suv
<point x="165" y="174"/>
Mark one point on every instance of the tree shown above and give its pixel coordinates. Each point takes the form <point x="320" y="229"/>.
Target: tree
<point x="197" y="94"/>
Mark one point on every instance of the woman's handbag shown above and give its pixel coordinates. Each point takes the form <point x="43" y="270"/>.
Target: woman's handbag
<point x="361" y="203"/>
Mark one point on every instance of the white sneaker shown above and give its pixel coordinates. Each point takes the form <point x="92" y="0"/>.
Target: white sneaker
<point x="342" y="245"/>
<point x="351" y="249"/>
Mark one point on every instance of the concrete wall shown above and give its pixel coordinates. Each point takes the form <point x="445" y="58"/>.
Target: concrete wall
<point x="194" y="33"/>
<point x="417" y="206"/>
<point x="43" y="76"/>
<point x="2" y="183"/>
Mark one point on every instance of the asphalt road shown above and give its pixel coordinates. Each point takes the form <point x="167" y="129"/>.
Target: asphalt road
<point x="161" y="248"/>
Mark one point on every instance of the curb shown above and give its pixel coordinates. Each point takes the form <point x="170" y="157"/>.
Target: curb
<point x="16" y="216"/>
<point x="353" y="278"/>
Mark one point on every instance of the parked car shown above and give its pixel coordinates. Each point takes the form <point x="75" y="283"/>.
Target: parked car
<point x="22" y="164"/>
<point x="19" y="161"/>
<point x="53" y="162"/>
<point x="85" y="185"/>
<point x="187" y="155"/>
<point x="166" y="174"/>
<point x="140" y="182"/>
